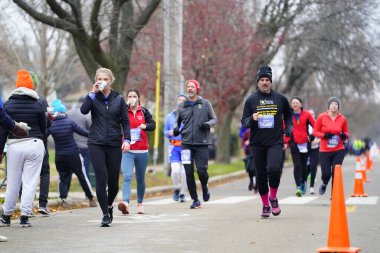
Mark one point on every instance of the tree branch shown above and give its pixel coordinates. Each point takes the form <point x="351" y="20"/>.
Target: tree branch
<point x="95" y="26"/>
<point x="54" y="22"/>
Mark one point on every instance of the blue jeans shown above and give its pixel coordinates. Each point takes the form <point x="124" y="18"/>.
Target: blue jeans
<point x="140" y="162"/>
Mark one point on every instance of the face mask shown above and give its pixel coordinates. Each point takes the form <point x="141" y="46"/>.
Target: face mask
<point x="102" y="85"/>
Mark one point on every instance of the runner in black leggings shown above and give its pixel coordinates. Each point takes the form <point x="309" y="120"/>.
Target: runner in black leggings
<point x="110" y="121"/>
<point x="332" y="128"/>
<point x="264" y="113"/>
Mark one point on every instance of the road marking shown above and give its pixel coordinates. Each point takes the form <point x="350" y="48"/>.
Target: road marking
<point x="232" y="200"/>
<point x="297" y="200"/>
<point x="161" y="218"/>
<point x="362" y="200"/>
<point x="160" y="202"/>
<point x="350" y="209"/>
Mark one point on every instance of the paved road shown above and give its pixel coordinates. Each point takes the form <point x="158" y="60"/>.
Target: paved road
<point x="230" y="222"/>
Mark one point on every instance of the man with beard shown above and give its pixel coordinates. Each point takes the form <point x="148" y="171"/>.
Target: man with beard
<point x="197" y="116"/>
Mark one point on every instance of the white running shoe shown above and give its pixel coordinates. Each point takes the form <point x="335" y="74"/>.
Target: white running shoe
<point x="312" y="191"/>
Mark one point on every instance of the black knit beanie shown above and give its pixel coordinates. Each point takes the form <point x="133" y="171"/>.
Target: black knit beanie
<point x="264" y="71"/>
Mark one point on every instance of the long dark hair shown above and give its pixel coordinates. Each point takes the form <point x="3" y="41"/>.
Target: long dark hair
<point x="134" y="90"/>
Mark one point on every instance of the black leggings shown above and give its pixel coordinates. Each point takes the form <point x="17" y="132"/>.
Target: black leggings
<point x="313" y="164"/>
<point x="66" y="166"/>
<point x="328" y="161"/>
<point x="106" y="161"/>
<point x="299" y="163"/>
<point x="269" y="162"/>
<point x="199" y="157"/>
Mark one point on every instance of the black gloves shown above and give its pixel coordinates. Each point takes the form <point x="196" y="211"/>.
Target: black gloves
<point x="311" y="138"/>
<point x="205" y="127"/>
<point x="176" y="131"/>
<point x="343" y="136"/>
<point x="328" y="135"/>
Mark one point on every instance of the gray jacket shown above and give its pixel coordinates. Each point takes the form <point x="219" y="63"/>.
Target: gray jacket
<point x="193" y="117"/>
<point x="83" y="121"/>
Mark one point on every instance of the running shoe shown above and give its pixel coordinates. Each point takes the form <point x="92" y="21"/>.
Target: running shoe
<point x="140" y="208"/>
<point x="43" y="210"/>
<point x="206" y="194"/>
<point x="123" y="207"/>
<point x="24" y="221"/>
<point x="196" y="204"/>
<point x="299" y="191"/>
<point x="266" y="212"/>
<point x="322" y="189"/>
<point x="303" y="188"/>
<point x="312" y="191"/>
<point x="5" y="220"/>
<point x="276" y="210"/>
<point x="182" y="198"/>
<point x="176" y="195"/>
<point x="106" y="221"/>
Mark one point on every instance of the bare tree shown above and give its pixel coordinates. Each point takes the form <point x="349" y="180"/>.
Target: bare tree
<point x="120" y="19"/>
<point x="333" y="43"/>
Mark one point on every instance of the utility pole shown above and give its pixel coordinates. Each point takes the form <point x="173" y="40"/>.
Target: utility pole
<point x="172" y="65"/>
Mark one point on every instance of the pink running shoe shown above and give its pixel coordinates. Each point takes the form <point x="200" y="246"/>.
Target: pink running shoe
<point x="266" y="212"/>
<point x="276" y="210"/>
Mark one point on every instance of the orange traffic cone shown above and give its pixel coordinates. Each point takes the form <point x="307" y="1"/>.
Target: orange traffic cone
<point x="359" y="188"/>
<point x="360" y="166"/>
<point x="368" y="163"/>
<point x="339" y="240"/>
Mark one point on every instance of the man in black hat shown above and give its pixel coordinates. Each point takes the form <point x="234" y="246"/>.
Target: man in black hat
<point x="265" y="113"/>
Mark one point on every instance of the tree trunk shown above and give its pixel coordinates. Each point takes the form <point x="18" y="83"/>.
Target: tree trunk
<point x="224" y="145"/>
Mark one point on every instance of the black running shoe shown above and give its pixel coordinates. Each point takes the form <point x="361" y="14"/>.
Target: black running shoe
<point x="5" y="220"/>
<point x="106" y="221"/>
<point x="110" y="211"/>
<point x="24" y="221"/>
<point x="206" y="194"/>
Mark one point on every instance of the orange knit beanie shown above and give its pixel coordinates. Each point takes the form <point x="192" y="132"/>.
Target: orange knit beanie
<point x="24" y="79"/>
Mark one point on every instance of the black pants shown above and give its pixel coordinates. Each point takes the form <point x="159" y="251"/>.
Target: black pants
<point x="106" y="161"/>
<point x="269" y="162"/>
<point x="44" y="180"/>
<point x="328" y="161"/>
<point x="299" y="163"/>
<point x="199" y="156"/>
<point x="66" y="166"/>
<point x="313" y="165"/>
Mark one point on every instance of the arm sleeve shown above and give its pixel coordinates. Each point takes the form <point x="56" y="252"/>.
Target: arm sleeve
<point x="287" y="117"/>
<point x="87" y="105"/>
<point x="150" y="123"/>
<point x="79" y="130"/>
<point x="317" y="128"/>
<point x="246" y="119"/>
<point x="168" y="124"/>
<point x="212" y="118"/>
<point x="125" y="120"/>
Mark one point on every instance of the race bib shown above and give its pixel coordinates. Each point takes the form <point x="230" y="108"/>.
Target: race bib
<point x="186" y="156"/>
<point x="135" y="135"/>
<point x="266" y="121"/>
<point x="333" y="141"/>
<point x="302" y="147"/>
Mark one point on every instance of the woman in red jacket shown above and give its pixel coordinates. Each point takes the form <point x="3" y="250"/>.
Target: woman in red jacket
<point x="140" y="121"/>
<point x="299" y="143"/>
<point x="332" y="128"/>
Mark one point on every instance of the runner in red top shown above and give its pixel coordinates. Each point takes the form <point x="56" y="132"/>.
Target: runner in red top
<point x="332" y="128"/>
<point x="300" y="143"/>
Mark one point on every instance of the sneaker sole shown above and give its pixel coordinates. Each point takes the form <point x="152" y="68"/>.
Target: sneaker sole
<point x="26" y="225"/>
<point x="276" y="213"/>
<point x="123" y="208"/>
<point x="104" y="225"/>
<point x="195" y="207"/>
<point x="41" y="212"/>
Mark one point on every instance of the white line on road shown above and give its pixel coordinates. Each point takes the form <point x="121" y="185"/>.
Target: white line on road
<point x="160" y="202"/>
<point x="232" y="200"/>
<point x="297" y="200"/>
<point x="362" y="201"/>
